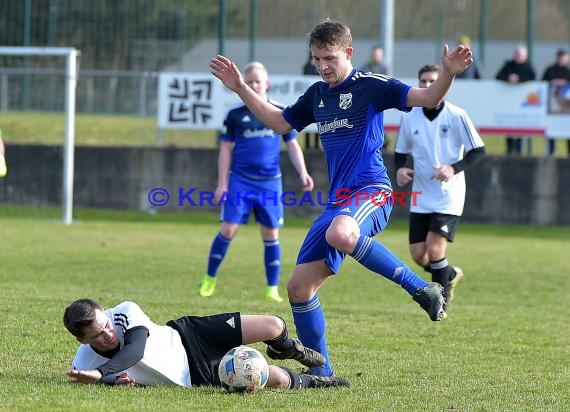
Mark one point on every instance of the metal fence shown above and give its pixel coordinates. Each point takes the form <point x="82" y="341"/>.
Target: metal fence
<point x="145" y="35"/>
<point x="98" y="91"/>
<point x="124" y="43"/>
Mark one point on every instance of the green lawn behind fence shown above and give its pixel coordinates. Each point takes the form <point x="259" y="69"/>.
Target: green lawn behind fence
<point x="102" y="130"/>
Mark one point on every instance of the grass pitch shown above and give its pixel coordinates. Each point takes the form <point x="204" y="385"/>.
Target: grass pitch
<point x="505" y="345"/>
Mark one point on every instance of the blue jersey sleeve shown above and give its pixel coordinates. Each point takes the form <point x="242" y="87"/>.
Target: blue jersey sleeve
<point x="391" y="95"/>
<point x="287" y="136"/>
<point x="300" y="114"/>
<point x="228" y="133"/>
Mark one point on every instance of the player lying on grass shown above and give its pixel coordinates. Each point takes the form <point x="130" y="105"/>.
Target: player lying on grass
<point x="122" y="346"/>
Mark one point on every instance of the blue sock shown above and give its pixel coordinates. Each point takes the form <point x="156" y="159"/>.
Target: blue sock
<point x="217" y="253"/>
<point x="310" y="322"/>
<point x="272" y="261"/>
<point x="376" y="257"/>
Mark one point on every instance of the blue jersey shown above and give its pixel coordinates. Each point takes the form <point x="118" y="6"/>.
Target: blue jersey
<point x="256" y="146"/>
<point x="350" y="123"/>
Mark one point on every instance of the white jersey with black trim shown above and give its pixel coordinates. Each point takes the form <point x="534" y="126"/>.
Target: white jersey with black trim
<point x="433" y="143"/>
<point x="164" y="361"/>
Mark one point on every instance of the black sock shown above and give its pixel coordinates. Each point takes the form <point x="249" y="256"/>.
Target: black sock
<point x="295" y="381"/>
<point x="282" y="342"/>
<point x="427" y="268"/>
<point x="441" y="272"/>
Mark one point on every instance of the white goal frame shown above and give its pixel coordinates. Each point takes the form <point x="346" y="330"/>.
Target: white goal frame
<point x="71" y="55"/>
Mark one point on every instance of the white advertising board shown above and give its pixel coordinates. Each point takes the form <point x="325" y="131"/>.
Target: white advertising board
<point x="200" y="101"/>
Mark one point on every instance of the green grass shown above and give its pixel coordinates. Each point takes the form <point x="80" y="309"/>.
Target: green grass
<point x="504" y="346"/>
<point x="100" y="130"/>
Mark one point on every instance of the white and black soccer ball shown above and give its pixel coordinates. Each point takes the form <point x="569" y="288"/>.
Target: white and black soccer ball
<point x="243" y="369"/>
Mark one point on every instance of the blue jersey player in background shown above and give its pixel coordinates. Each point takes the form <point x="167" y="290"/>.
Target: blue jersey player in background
<point x="254" y="183"/>
<point x="347" y="108"/>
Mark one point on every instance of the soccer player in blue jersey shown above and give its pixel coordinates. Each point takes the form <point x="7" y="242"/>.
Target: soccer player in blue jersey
<point x="254" y="183"/>
<point x="347" y="108"/>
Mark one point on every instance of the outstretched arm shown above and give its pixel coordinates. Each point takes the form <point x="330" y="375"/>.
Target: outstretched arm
<point x="77" y="376"/>
<point x="271" y="116"/>
<point x="84" y="376"/>
<point x="452" y="64"/>
<point x="127" y="356"/>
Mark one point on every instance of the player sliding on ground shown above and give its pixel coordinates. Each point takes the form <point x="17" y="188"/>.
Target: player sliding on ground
<point x="347" y="107"/>
<point x="122" y="346"/>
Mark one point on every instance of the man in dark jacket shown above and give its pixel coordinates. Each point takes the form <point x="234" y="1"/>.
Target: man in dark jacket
<point x="558" y="74"/>
<point x="515" y="71"/>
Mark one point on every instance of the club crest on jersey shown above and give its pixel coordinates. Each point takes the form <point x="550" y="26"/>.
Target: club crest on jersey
<point x="444" y="129"/>
<point x="345" y="100"/>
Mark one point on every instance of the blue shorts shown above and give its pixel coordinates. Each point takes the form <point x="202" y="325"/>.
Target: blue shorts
<point x="261" y="196"/>
<point x="371" y="215"/>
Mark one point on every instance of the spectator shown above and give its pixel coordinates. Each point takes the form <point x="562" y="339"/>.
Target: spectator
<point x="558" y="74"/>
<point x="309" y="68"/>
<point x="472" y="71"/>
<point x="376" y="63"/>
<point x="517" y="70"/>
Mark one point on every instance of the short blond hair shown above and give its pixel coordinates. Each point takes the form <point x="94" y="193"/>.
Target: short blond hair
<point x="254" y="67"/>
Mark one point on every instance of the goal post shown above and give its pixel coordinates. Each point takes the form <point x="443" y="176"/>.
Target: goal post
<point x="70" y="55"/>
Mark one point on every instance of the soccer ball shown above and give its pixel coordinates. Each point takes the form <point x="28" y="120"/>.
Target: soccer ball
<point x="243" y="369"/>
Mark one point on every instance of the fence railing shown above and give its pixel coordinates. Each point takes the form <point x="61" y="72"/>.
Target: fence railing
<point x="98" y="91"/>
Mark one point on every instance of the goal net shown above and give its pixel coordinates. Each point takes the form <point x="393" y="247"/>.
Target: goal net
<point x="37" y="97"/>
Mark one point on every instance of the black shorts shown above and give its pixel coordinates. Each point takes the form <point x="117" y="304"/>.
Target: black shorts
<point x="206" y="340"/>
<point x="422" y="223"/>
